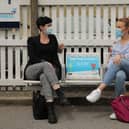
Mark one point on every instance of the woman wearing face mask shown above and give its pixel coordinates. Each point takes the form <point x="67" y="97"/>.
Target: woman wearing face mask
<point x="44" y="64"/>
<point x="118" y="66"/>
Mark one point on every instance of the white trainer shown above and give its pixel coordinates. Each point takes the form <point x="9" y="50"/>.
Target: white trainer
<point x="94" y="95"/>
<point x="113" y="116"/>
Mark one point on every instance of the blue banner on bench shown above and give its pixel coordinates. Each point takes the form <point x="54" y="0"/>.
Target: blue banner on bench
<point x="82" y="65"/>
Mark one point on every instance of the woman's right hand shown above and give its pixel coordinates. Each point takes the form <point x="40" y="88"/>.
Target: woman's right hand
<point x="117" y="59"/>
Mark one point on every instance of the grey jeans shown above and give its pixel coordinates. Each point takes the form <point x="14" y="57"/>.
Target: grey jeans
<point x="44" y="72"/>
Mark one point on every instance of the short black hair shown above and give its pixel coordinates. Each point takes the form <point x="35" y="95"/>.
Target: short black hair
<point x="43" y="21"/>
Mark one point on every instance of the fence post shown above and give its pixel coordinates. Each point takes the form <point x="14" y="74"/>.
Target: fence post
<point x="34" y="15"/>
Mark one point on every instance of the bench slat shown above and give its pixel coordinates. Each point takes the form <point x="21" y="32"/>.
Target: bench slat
<point x="106" y="26"/>
<point x="91" y="23"/>
<point x="54" y="16"/>
<point x="98" y="21"/>
<point x="83" y="24"/>
<point x="3" y="63"/>
<point x="68" y="23"/>
<point x="61" y="23"/>
<point x="76" y="22"/>
<point x="127" y="11"/>
<point x="113" y="21"/>
<point x="17" y="63"/>
<point x="10" y="62"/>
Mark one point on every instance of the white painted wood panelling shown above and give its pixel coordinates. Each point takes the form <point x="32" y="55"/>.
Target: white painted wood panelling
<point x="40" y="11"/>
<point x="75" y="26"/>
<point x="10" y="62"/>
<point x="91" y="23"/>
<point x="24" y="60"/>
<point x="2" y="34"/>
<point x="83" y="24"/>
<point x="24" y="22"/>
<point x="120" y="11"/>
<point x="98" y="21"/>
<point x="76" y="22"/>
<point x="113" y="21"/>
<point x="127" y="11"/>
<point x="68" y="23"/>
<point x="61" y="23"/>
<point x="54" y="17"/>
<point x="82" y="2"/>
<point x="47" y="11"/>
<point x="17" y="63"/>
<point x="105" y="21"/>
<point x="3" y="63"/>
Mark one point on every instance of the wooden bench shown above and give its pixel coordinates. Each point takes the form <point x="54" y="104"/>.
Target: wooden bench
<point x="83" y="26"/>
<point x="14" y="58"/>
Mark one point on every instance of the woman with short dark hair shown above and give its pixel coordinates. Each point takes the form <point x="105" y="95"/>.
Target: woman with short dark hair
<point x="44" y="64"/>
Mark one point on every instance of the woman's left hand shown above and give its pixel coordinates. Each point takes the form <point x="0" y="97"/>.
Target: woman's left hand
<point x="61" y="46"/>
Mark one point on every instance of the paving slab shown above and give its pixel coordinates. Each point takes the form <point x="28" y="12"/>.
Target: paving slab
<point x="70" y="117"/>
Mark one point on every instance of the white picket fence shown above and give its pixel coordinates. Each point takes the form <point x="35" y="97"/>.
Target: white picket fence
<point x="82" y="25"/>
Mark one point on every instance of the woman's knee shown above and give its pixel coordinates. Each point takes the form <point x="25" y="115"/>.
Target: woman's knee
<point x="121" y="75"/>
<point x="29" y="75"/>
<point x="113" y="66"/>
<point x="47" y="65"/>
<point x="42" y="77"/>
<point x="124" y="62"/>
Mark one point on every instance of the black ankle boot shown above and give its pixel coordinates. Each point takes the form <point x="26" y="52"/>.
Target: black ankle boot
<point x="51" y="113"/>
<point x="62" y="99"/>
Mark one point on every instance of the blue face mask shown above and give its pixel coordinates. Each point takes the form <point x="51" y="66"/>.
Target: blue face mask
<point x="119" y="33"/>
<point x="49" y="30"/>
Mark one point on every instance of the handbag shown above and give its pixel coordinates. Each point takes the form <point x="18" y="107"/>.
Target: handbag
<point x="120" y="106"/>
<point x="39" y="106"/>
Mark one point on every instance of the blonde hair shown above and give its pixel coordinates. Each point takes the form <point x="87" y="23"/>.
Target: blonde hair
<point x="125" y="20"/>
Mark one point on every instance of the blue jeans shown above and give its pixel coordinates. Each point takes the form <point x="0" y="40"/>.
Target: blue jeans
<point x="119" y="73"/>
